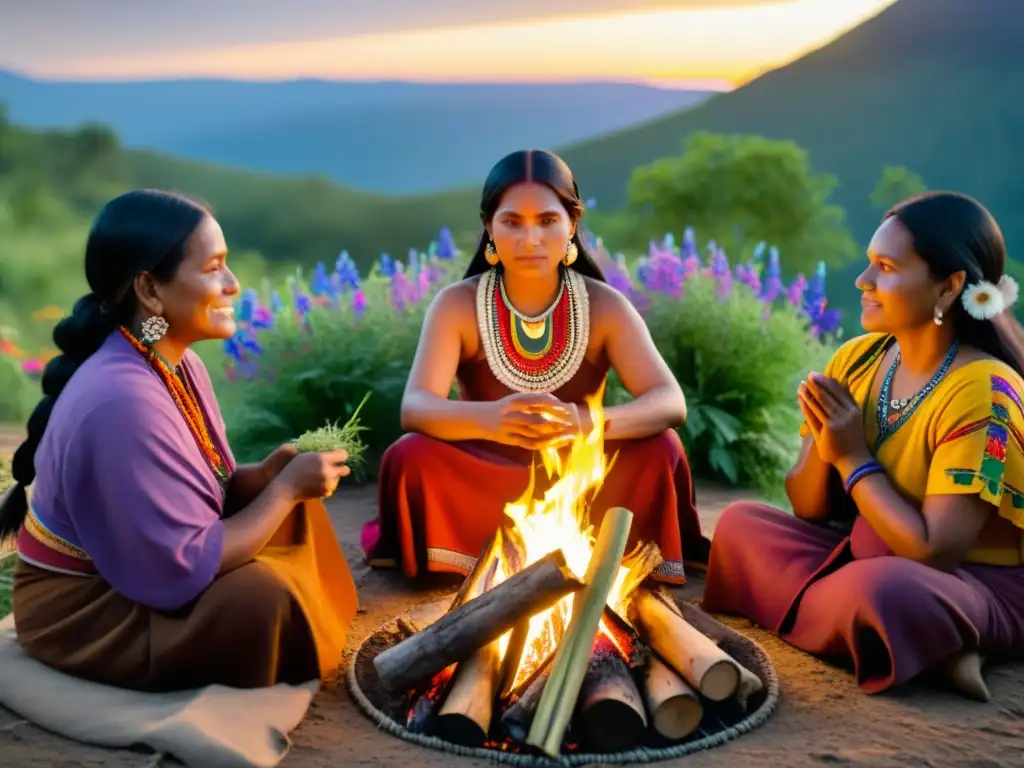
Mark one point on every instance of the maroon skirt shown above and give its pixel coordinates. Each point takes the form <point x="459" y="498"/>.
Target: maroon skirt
<point x="850" y="600"/>
<point x="441" y="502"/>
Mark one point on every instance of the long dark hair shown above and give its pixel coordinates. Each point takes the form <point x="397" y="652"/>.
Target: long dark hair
<point x="953" y="232"/>
<point x="543" y="167"/>
<point x="140" y="231"/>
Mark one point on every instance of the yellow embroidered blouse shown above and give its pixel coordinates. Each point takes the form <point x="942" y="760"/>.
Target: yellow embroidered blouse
<point x="966" y="437"/>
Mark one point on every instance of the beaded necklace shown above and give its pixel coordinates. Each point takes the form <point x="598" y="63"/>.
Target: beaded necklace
<point x="903" y="409"/>
<point x="188" y="405"/>
<point x="534" y="354"/>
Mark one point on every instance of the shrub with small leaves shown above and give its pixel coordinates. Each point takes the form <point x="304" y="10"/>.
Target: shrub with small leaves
<point x="737" y="338"/>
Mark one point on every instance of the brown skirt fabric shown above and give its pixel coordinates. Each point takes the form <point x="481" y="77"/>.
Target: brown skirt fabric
<point x="282" y="618"/>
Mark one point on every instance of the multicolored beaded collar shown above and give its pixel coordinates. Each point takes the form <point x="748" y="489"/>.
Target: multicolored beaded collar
<point x="187" y="402"/>
<point x="534" y="354"/>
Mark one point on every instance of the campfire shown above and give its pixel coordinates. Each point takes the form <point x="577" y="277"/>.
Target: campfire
<point x="556" y="641"/>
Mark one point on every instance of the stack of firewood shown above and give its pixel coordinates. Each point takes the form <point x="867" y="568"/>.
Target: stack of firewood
<point x="613" y="677"/>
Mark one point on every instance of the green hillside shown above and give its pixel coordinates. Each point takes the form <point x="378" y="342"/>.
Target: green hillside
<point x="283" y="218"/>
<point x="306" y="219"/>
<point x="933" y="85"/>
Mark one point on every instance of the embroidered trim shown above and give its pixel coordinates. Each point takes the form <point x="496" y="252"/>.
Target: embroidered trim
<point x="1001" y="385"/>
<point x="993" y="460"/>
<point x="451" y="557"/>
<point x="670" y="570"/>
<point x="53" y="568"/>
<point x="38" y="531"/>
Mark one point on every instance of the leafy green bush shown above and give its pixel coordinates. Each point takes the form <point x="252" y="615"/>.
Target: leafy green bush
<point x="739" y="368"/>
<point x="738" y="342"/>
<point x="292" y="368"/>
<point x="18" y="392"/>
<point x="737" y="339"/>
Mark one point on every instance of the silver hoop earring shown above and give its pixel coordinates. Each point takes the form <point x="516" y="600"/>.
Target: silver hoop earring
<point x="153" y="329"/>
<point x="937" y="316"/>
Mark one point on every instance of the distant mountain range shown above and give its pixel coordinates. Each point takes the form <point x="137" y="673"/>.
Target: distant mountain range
<point x="933" y="85"/>
<point x="390" y="138"/>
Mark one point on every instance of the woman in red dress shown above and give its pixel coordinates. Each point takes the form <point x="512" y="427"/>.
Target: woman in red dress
<point x="529" y="334"/>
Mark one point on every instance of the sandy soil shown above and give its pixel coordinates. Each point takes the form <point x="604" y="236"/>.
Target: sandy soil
<point x="822" y="718"/>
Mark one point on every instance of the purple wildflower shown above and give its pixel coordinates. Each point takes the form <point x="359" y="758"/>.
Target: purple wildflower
<point x="446" y="248"/>
<point x="401" y="288"/>
<point x="321" y="284"/>
<point x="773" y="278"/>
<point x="795" y="292"/>
<point x="358" y="302"/>
<point x="689" y="247"/>
<point x="346" y="273"/>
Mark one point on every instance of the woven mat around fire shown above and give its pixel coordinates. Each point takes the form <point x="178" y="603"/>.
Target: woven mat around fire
<point x="721" y="722"/>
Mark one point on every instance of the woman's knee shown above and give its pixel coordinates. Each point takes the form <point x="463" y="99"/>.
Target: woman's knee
<point x="746" y="520"/>
<point x="409" y="450"/>
<point x="253" y="594"/>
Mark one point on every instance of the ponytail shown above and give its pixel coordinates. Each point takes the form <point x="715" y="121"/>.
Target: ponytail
<point x="1009" y="336"/>
<point x="78" y="337"/>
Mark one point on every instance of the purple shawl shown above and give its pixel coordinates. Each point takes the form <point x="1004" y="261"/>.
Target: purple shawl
<point x="119" y="474"/>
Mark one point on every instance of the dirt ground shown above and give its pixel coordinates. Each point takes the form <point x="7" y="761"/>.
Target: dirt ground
<point x="822" y="718"/>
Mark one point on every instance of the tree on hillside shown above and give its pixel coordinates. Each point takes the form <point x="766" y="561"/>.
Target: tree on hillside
<point x="896" y="184"/>
<point x="740" y="190"/>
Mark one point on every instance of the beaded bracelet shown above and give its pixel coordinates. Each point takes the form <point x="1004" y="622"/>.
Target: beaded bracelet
<point x="868" y="468"/>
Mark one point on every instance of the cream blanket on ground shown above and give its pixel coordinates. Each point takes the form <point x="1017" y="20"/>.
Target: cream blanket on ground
<point x="214" y="727"/>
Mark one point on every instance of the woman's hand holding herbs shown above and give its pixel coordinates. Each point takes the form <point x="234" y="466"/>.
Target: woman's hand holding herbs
<point x="314" y="475"/>
<point x="274" y="464"/>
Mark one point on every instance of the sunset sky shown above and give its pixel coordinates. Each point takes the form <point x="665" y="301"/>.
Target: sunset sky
<point x="705" y="43"/>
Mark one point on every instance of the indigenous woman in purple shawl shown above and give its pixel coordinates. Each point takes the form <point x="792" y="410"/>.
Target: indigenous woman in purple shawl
<point x="904" y="552"/>
<point x="148" y="559"/>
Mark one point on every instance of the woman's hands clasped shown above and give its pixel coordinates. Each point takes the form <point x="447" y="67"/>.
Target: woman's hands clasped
<point x="536" y="421"/>
<point x="835" y="419"/>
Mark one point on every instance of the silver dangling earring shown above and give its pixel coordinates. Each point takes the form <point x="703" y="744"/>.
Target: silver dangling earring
<point x="937" y="316"/>
<point x="153" y="330"/>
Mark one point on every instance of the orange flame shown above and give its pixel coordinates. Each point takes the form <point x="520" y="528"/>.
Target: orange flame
<point x="561" y="520"/>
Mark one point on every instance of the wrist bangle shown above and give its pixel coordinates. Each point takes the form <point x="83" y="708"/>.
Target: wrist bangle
<point x="868" y="468"/>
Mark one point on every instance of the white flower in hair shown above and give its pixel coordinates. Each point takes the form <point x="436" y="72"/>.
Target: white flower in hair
<point x="982" y="300"/>
<point x="1010" y="290"/>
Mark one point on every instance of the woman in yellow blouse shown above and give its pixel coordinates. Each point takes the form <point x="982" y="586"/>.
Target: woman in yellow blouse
<point x="905" y="553"/>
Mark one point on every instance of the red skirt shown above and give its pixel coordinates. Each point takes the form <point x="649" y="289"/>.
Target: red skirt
<point x="439" y="502"/>
<point x="849" y="599"/>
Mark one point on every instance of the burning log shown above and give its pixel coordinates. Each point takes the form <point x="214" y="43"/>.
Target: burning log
<point x="501" y="546"/>
<point x="517" y="719"/>
<point x="675" y="708"/>
<point x="465" y="717"/>
<point x="611" y="714"/>
<point x="641" y="563"/>
<point x="423" y="711"/>
<point x="700" y="661"/>
<point x="573" y="656"/>
<point x="456" y="635"/>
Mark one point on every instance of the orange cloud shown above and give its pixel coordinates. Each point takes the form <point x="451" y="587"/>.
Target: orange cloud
<point x="720" y="45"/>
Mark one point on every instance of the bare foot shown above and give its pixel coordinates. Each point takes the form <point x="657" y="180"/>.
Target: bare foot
<point x="963" y="672"/>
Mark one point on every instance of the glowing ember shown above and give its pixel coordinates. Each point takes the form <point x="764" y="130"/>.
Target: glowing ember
<point x="561" y="520"/>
